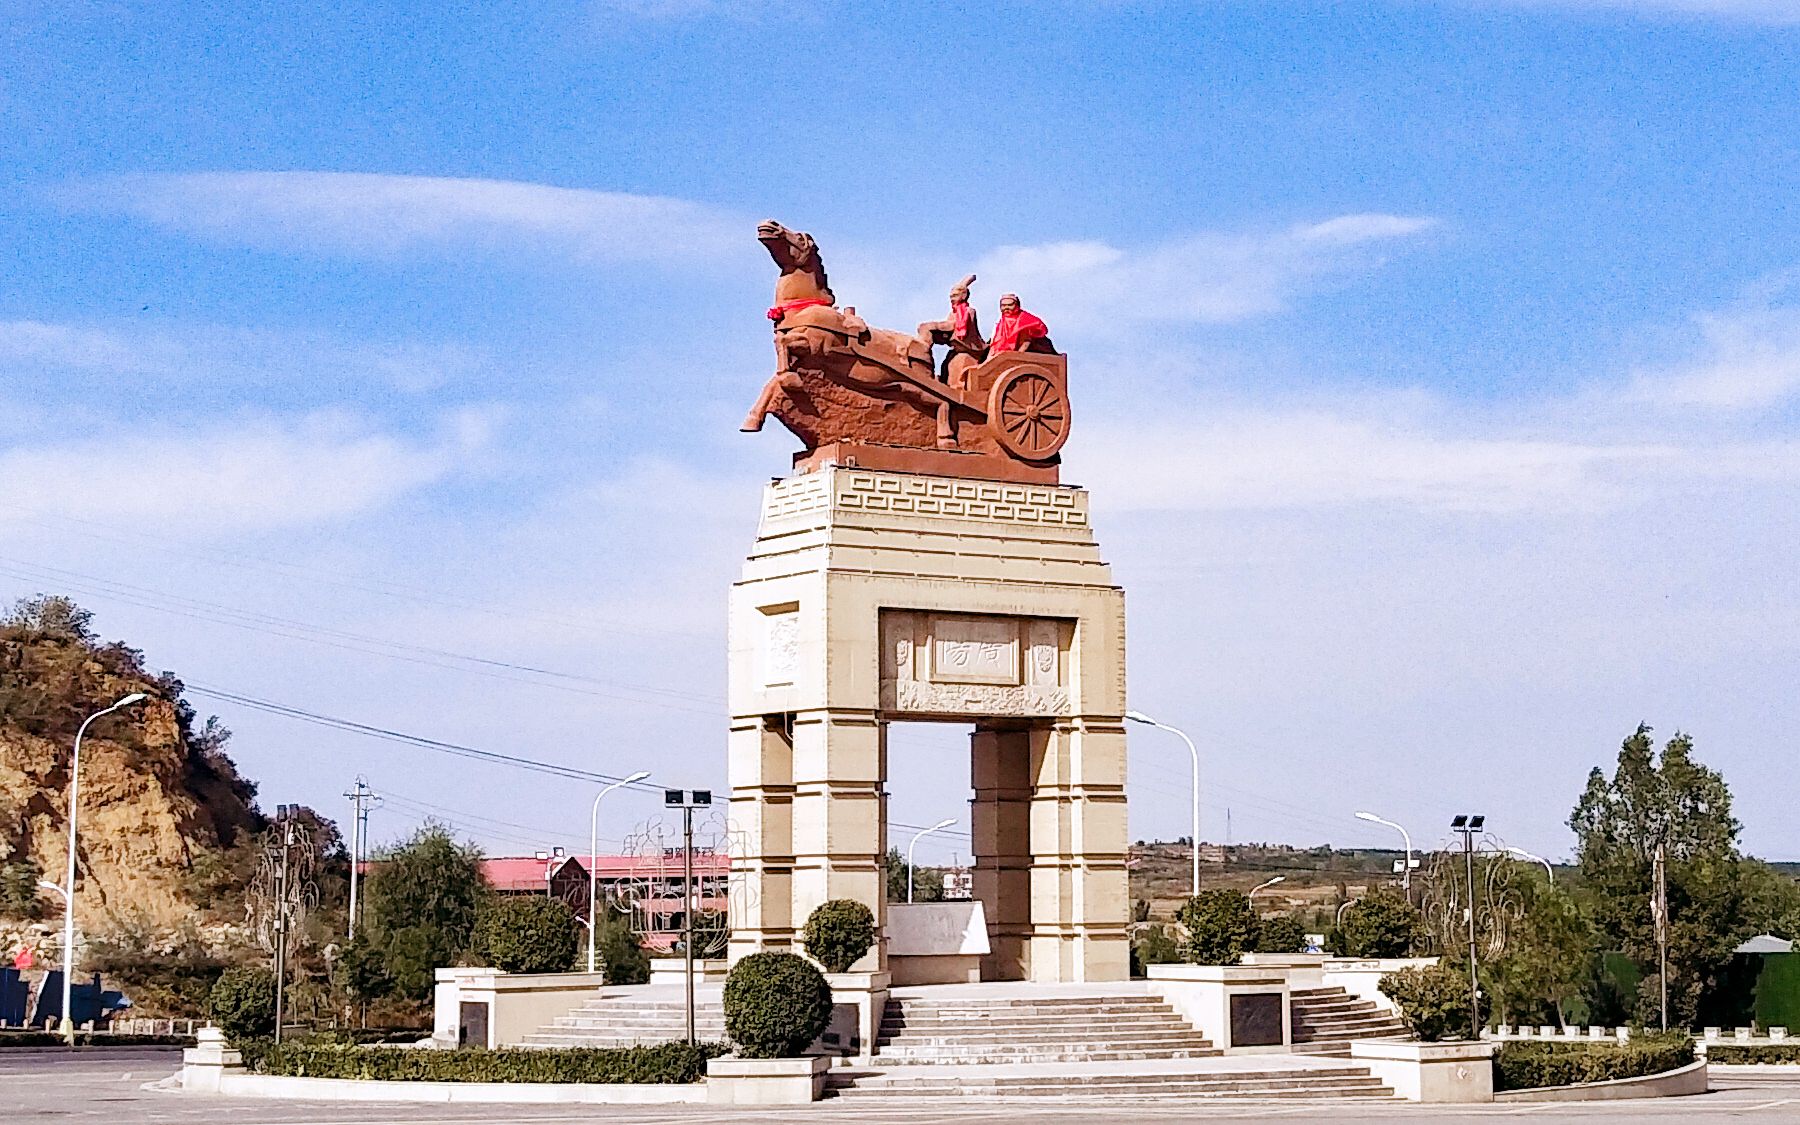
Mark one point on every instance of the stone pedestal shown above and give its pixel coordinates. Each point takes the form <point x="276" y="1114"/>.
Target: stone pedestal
<point x="1456" y="1072"/>
<point x="204" y="1065"/>
<point x="873" y="597"/>
<point x="732" y="1081"/>
<point x="1243" y="1009"/>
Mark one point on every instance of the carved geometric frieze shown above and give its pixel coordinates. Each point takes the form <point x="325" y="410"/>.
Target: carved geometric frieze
<point x="974" y="664"/>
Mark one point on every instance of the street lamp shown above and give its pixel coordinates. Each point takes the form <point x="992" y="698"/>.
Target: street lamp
<point x="68" y="887"/>
<point x="594" y="859"/>
<point x="1406" y="872"/>
<point x="917" y="836"/>
<point x="1263" y="886"/>
<point x="1467" y="826"/>
<point x="1140" y="717"/>
<point x="1521" y="853"/>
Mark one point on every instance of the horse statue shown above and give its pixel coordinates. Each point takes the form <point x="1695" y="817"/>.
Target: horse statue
<point x="822" y="351"/>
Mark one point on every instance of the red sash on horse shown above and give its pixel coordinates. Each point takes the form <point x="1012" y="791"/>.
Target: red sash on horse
<point x="785" y="307"/>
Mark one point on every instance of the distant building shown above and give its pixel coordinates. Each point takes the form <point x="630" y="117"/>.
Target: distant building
<point x="959" y="883"/>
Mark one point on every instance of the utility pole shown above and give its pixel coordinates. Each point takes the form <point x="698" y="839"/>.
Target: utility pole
<point x="687" y="800"/>
<point x="1468" y="826"/>
<point x="362" y="800"/>
<point x="1659" y="914"/>
<point x="285" y="817"/>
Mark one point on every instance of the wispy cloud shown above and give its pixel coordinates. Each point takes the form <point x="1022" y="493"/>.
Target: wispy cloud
<point x="1743" y="361"/>
<point x="1210" y="277"/>
<point x="243" y="473"/>
<point x="377" y="214"/>
<point x="177" y="353"/>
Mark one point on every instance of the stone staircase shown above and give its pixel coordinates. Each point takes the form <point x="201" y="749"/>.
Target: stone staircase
<point x="1109" y="1083"/>
<point x="605" y="1021"/>
<point x="1325" y="1020"/>
<point x="1035" y="1030"/>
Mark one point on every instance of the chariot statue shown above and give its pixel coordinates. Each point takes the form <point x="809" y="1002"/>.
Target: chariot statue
<point x="874" y="398"/>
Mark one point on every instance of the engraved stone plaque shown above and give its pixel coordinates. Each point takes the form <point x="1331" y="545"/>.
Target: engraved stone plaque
<point x="1256" y="1019"/>
<point x="980" y="664"/>
<point x="975" y="650"/>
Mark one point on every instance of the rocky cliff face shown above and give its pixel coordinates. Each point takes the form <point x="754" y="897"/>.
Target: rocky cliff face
<point x="160" y="804"/>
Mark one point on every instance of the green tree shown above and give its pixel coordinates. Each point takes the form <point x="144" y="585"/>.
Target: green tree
<point x="528" y="934"/>
<point x="1379" y="924"/>
<point x="1549" y="956"/>
<point x="1284" y="933"/>
<point x="621" y="954"/>
<point x="423" y="900"/>
<point x="243" y="1003"/>
<point x="50" y="617"/>
<point x="928" y="882"/>
<point x="21" y="899"/>
<point x="1220" y="927"/>
<point x="1673" y="802"/>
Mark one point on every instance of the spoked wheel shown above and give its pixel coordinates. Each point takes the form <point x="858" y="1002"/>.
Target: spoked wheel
<point x="1029" y="413"/>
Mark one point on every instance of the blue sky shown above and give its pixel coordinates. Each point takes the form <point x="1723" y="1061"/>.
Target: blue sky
<point x="1436" y="367"/>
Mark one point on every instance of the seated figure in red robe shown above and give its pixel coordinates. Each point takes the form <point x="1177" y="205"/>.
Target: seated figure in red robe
<point x="961" y="331"/>
<point x="1018" y="330"/>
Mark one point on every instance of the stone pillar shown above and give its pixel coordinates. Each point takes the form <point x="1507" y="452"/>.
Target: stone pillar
<point x="840" y="816"/>
<point x="1079" y="841"/>
<point x="1000" y="824"/>
<point x="762" y="829"/>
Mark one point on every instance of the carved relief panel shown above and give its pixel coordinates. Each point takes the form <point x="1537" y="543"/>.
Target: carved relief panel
<point x="974" y="664"/>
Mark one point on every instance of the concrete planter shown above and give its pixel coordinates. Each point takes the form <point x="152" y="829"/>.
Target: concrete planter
<point x="1454" y="1073"/>
<point x="1689" y="1079"/>
<point x="1243" y="1009"/>
<point x="478" y="1007"/>
<point x="857" y="1001"/>
<point x="766" y="1081"/>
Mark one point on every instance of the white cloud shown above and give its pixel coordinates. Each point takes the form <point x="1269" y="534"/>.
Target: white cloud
<point x="378" y="214"/>
<point x="1744" y="361"/>
<point x="178" y="353"/>
<point x="1211" y="277"/>
<point x="245" y="473"/>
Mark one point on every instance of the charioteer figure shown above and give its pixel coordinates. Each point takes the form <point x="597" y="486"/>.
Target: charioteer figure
<point x="961" y="332"/>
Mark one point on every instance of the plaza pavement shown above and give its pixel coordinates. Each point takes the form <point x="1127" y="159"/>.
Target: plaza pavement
<point x="106" y="1085"/>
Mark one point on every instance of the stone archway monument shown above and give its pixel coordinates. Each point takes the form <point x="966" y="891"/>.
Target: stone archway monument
<point x="924" y="563"/>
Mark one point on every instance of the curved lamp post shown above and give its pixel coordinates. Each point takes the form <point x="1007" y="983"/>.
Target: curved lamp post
<point x="923" y="832"/>
<point x="1405" y="871"/>
<point x="594" y="861"/>
<point x="1521" y="853"/>
<point x="1265" y="885"/>
<point x="68" y="887"/>
<point x="1140" y="717"/>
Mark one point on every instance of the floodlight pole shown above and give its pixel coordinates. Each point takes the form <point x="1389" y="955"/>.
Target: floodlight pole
<point x="686" y="799"/>
<point x="1140" y="717"/>
<point x="1468" y="826"/>
<point x="68" y="887"/>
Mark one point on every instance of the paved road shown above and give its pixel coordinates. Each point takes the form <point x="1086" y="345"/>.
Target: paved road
<point x="105" y="1085"/>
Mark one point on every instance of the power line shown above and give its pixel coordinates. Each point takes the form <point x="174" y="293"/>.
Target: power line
<point x="372" y="731"/>
<point x="270" y="625"/>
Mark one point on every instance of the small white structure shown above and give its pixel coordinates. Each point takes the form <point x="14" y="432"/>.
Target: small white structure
<point x="936" y="942"/>
<point x="1447" y="1073"/>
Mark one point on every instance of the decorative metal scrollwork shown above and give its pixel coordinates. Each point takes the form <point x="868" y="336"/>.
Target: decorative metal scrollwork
<point x="1446" y="899"/>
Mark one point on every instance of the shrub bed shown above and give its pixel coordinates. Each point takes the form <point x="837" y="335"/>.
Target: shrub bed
<point x="1727" y="1054"/>
<point x="1524" y="1065"/>
<point x="662" y="1064"/>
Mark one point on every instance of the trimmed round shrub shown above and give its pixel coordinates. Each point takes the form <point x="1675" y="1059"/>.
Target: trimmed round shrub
<point x="527" y="935"/>
<point x="1433" y="999"/>
<point x="1220" y="927"/>
<point x="242" y="1003"/>
<point x="776" y="1004"/>
<point x="1283" y="933"/>
<point x="838" y="933"/>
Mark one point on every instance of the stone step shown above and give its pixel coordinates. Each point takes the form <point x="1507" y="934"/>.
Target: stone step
<point x="1357" y="1020"/>
<point x="1335" y="1083"/>
<point x="1347" y="1004"/>
<point x="1077" y="1027"/>
<point x="964" y="1056"/>
<point x="1098" y="1005"/>
<point x="1187" y="1038"/>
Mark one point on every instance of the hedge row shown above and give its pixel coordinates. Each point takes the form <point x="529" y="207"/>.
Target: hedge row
<point x="1729" y="1053"/>
<point x="1524" y="1065"/>
<point x="92" y="1039"/>
<point x="662" y="1064"/>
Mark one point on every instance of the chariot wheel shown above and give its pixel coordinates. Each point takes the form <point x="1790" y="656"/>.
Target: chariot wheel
<point x="1029" y="414"/>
